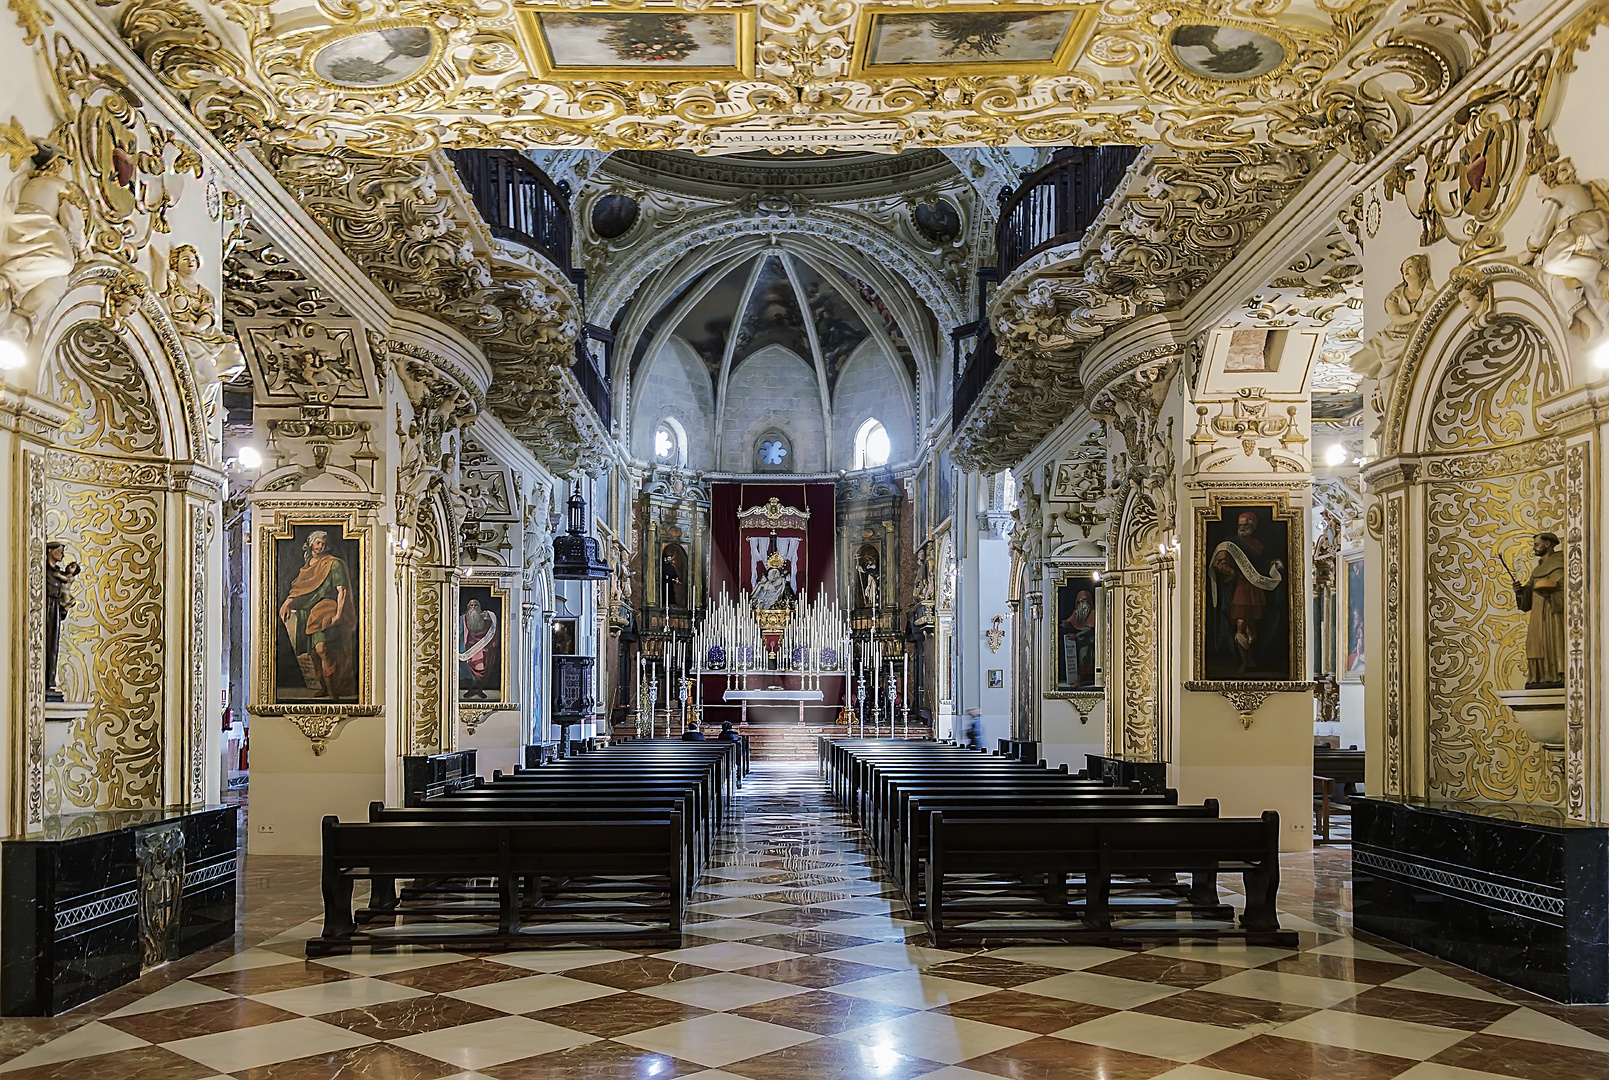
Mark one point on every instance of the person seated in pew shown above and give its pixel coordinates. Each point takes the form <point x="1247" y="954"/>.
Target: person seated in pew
<point x="692" y="734"/>
<point x="728" y="733"/>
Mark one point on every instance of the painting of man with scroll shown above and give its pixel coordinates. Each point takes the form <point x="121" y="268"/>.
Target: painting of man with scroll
<point x="480" y="643"/>
<point x="1248" y="631"/>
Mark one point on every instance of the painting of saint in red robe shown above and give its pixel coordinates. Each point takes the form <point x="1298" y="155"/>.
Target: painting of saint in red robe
<point x="1248" y="631"/>
<point x="480" y="644"/>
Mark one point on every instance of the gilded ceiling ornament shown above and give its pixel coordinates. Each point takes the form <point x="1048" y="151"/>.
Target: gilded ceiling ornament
<point x="402" y="77"/>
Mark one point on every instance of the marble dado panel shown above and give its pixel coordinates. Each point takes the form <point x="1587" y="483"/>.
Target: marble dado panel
<point x="94" y="898"/>
<point x="1512" y="892"/>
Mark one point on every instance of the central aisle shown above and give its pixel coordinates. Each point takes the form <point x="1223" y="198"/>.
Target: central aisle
<point x="797" y="965"/>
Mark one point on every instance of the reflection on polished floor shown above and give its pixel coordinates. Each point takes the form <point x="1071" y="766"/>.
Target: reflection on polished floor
<point x="797" y="964"/>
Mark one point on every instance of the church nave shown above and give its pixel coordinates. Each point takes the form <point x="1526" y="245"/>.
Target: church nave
<point x="797" y="963"/>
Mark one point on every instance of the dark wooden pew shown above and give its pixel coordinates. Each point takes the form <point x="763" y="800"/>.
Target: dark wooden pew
<point x="507" y="852"/>
<point x="1019" y="847"/>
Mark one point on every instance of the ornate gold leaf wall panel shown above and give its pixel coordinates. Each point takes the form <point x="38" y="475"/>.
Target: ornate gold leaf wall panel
<point x="1481" y="504"/>
<point x="112" y="648"/>
<point x="97" y="378"/>
<point x="1488" y="396"/>
<point x="1476" y="636"/>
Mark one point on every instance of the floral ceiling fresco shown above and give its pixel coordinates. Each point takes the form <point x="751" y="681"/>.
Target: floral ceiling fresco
<point x="716" y="76"/>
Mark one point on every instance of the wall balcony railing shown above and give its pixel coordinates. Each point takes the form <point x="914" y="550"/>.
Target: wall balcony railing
<point x="1057" y="204"/>
<point x="592" y="374"/>
<point x="518" y="202"/>
<point x="1053" y="206"/>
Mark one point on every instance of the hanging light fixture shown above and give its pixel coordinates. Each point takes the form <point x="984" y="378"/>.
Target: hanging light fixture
<point x="575" y="554"/>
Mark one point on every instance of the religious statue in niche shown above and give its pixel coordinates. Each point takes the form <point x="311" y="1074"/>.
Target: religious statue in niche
<point x="1248" y="630"/>
<point x="1571" y="248"/>
<point x="868" y="573"/>
<point x="1542" y="595"/>
<point x="480" y="644"/>
<point x="59" y="601"/>
<point x="773" y="592"/>
<point x="1075" y="630"/>
<point x="317" y="654"/>
<point x="673" y="575"/>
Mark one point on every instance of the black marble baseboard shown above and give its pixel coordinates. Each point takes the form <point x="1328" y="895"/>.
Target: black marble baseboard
<point x="1514" y="893"/>
<point x="94" y="899"/>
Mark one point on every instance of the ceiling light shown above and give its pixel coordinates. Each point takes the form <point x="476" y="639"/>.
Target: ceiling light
<point x="12" y="354"/>
<point x="249" y="458"/>
<point x="1335" y="455"/>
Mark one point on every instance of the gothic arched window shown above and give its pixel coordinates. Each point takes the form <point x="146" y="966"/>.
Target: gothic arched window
<point x="871" y="445"/>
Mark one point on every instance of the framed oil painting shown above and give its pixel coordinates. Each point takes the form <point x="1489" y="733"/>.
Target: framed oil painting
<point x="1352" y="611"/>
<point x="997" y="678"/>
<point x="645" y="43"/>
<point x="1248" y="582"/>
<point x="1000" y="39"/>
<point x="320" y="636"/>
<point x="378" y="55"/>
<point x="481" y="640"/>
<point x="1078" y="611"/>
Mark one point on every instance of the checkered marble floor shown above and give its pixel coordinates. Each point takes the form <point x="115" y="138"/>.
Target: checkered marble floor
<point x="799" y="962"/>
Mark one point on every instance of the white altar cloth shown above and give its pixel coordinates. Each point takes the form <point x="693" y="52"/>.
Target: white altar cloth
<point x="788" y="696"/>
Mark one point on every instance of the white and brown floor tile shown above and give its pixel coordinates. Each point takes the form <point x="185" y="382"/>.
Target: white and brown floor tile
<point x="800" y="963"/>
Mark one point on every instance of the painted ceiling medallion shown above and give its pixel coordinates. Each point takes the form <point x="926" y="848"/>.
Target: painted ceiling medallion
<point x="1225" y="53"/>
<point x="375" y="56"/>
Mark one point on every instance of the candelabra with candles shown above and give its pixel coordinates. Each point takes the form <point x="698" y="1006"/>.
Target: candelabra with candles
<point x="811" y="643"/>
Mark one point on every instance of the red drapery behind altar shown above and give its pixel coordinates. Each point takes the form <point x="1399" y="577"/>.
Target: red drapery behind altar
<point x="728" y="560"/>
<point x="728" y="554"/>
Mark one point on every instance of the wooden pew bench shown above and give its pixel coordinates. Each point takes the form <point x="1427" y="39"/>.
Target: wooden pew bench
<point x="649" y="851"/>
<point x="1003" y="848"/>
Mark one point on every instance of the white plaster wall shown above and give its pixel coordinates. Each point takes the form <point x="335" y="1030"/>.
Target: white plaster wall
<point x="496" y="742"/>
<point x="774" y="388"/>
<point x="1066" y="740"/>
<point x="871" y="385"/>
<point x="675" y="383"/>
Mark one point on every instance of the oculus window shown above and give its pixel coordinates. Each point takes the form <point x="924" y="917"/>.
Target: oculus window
<point x="670" y="443"/>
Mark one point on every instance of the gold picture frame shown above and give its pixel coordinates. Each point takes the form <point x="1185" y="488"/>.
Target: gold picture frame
<point x="1351" y="637"/>
<point x="415" y="39"/>
<point x="890" y="42"/>
<point x="1278" y="528"/>
<point x="484" y="590"/>
<point x="1241" y="34"/>
<point x="603" y="28"/>
<point x="278" y="542"/>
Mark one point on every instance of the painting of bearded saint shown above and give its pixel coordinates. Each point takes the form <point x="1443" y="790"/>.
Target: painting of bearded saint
<point x="1075" y="620"/>
<point x="480" y="644"/>
<point x="1248" y="631"/>
<point x="317" y="572"/>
